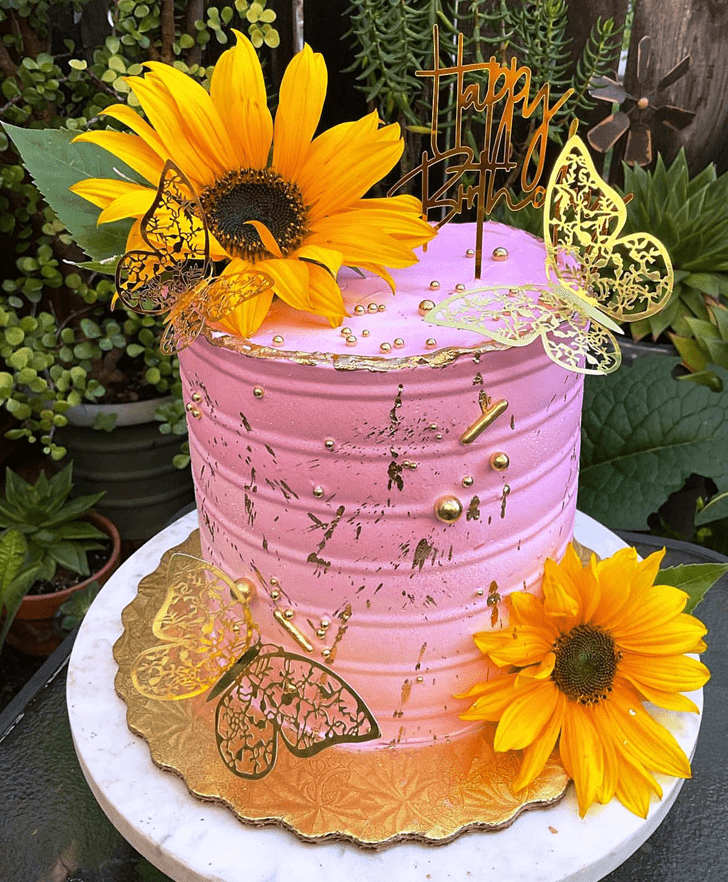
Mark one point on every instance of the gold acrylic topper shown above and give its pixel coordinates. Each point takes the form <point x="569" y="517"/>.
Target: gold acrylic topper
<point x="174" y="274"/>
<point x="209" y="639"/>
<point x="595" y="276"/>
<point x="508" y="87"/>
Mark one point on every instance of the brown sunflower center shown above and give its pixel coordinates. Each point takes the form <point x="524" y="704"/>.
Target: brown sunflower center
<point x="586" y="662"/>
<point x="254" y="194"/>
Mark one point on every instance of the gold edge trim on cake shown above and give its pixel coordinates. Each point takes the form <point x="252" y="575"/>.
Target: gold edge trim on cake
<point x="369" y="797"/>
<point x="344" y="362"/>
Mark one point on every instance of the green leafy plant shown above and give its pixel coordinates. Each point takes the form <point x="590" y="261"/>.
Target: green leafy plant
<point x="690" y="217"/>
<point x="16" y="577"/>
<point x="707" y="346"/>
<point x="51" y="523"/>
<point x="644" y="434"/>
<point x="60" y="342"/>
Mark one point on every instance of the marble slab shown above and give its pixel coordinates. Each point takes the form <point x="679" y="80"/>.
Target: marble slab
<point x="192" y="841"/>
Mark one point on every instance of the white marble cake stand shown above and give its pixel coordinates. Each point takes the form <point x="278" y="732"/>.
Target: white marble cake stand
<point x="194" y="841"/>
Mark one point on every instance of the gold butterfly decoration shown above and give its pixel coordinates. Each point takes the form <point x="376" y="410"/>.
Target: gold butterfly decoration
<point x="595" y="276"/>
<point x="209" y="640"/>
<point x="174" y="275"/>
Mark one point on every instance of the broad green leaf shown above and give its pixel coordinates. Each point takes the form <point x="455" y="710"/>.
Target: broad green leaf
<point x="107" y="266"/>
<point x="643" y="434"/>
<point x="13" y="549"/>
<point x="693" y="579"/>
<point x="55" y="164"/>
<point x="70" y="556"/>
<point x="717" y="508"/>
<point x="14" y="594"/>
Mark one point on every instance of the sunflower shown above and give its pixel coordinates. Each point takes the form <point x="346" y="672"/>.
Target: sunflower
<point x="275" y="198"/>
<point x="580" y="663"/>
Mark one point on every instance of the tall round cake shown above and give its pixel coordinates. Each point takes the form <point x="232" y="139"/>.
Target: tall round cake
<point x="386" y="485"/>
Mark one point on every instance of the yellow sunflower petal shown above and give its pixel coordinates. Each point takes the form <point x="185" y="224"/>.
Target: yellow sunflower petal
<point x="491" y="698"/>
<point x="519" y="645"/>
<point x="671" y="674"/>
<point x="634" y="787"/>
<point x="131" y="149"/>
<point x="582" y="754"/>
<point x="536" y="754"/>
<point x="527" y="609"/>
<point x="135" y="203"/>
<point x="346" y="161"/>
<point x="325" y="294"/>
<point x="674" y="637"/>
<point x="203" y="124"/>
<point x="526" y="715"/>
<point x="562" y="597"/>
<point x="328" y="258"/>
<point x="537" y="672"/>
<point x="134" y="240"/>
<point x="245" y="319"/>
<point x="302" y="94"/>
<point x="104" y="191"/>
<point x="237" y="89"/>
<point x="643" y="738"/>
<point x="124" y="114"/>
<point x="163" y="113"/>
<point x="290" y="281"/>
<point x="359" y="245"/>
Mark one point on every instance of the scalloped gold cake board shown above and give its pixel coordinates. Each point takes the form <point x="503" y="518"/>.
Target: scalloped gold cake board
<point x="370" y="797"/>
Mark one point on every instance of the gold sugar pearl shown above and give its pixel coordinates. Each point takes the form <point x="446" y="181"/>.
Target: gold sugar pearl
<point x="246" y="588"/>
<point x="325" y="623"/>
<point x="372" y="307"/>
<point x="434" y="284"/>
<point x="479" y="592"/>
<point x="398" y="343"/>
<point x="275" y="594"/>
<point x="468" y="481"/>
<point x="359" y="309"/>
<point x="382" y="307"/>
<point x="385" y="347"/>
<point x="499" y="461"/>
<point x="430" y="343"/>
<point x="258" y="392"/>
<point x="329" y="443"/>
<point x="195" y="414"/>
<point x="500" y="253"/>
<point x="365" y="333"/>
<point x="189" y="407"/>
<point x="420" y="679"/>
<point x="470" y="252"/>
<point x="278" y="340"/>
<point x="459" y="286"/>
<point x="326" y="653"/>
<point x="196" y="397"/>
<point x="425" y="306"/>
<point x="288" y="613"/>
<point x="345" y="332"/>
<point x="274" y="582"/>
<point x="448" y="509"/>
<point x="318" y="492"/>
<point x="351" y="340"/>
<point x="321" y="632"/>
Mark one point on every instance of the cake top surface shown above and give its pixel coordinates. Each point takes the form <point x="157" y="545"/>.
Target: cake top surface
<point x="391" y="331"/>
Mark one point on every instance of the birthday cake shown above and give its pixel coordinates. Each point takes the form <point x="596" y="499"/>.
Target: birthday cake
<point x="385" y="486"/>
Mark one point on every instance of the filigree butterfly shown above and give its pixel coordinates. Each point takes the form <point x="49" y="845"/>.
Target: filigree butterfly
<point x="595" y="276"/>
<point x="208" y="640"/>
<point x="174" y="274"/>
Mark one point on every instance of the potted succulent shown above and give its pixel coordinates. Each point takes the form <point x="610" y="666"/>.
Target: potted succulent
<point x="50" y="545"/>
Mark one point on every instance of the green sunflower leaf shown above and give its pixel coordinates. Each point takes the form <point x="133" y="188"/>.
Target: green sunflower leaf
<point x="55" y="164"/>
<point x="717" y="508"/>
<point x="643" y="434"/>
<point x="693" y="579"/>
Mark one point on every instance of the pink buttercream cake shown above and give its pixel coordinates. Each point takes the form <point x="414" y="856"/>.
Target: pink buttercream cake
<point x="326" y="470"/>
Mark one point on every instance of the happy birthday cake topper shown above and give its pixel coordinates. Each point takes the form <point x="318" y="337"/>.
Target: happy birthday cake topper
<point x="507" y="94"/>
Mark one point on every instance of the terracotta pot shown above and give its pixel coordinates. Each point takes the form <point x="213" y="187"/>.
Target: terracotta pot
<point x="32" y="630"/>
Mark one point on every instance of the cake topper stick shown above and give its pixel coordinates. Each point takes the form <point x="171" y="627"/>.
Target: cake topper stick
<point x="507" y="90"/>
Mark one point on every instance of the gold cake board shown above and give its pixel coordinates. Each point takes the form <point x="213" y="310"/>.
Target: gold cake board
<point x="370" y="797"/>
